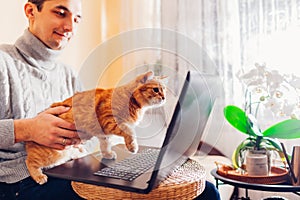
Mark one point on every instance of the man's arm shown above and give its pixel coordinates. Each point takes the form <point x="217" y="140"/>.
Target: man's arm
<point x="47" y="129"/>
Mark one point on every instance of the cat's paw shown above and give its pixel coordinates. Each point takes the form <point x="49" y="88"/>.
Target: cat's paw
<point x="41" y="179"/>
<point x="109" y="155"/>
<point x="133" y="147"/>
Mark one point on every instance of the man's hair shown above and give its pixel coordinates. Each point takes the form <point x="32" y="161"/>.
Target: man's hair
<point x="38" y="3"/>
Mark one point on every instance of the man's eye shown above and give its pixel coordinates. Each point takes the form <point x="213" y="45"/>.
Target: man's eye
<point x="61" y="13"/>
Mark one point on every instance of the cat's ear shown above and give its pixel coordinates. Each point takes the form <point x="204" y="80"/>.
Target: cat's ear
<point x="145" y="77"/>
<point x="163" y="79"/>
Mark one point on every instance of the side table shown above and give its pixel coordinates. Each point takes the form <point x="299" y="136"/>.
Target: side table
<point x="262" y="187"/>
<point x="187" y="182"/>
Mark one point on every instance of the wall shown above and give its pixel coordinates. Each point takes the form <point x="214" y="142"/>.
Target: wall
<point x="88" y="35"/>
<point x="13" y="20"/>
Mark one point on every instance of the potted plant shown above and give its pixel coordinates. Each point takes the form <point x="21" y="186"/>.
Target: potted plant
<point x="270" y="89"/>
<point x="257" y="139"/>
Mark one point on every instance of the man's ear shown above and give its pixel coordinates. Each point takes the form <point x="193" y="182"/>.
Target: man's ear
<point x="29" y="10"/>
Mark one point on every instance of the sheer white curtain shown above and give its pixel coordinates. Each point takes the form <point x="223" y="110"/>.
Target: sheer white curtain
<point x="140" y="14"/>
<point x="213" y="25"/>
<point x="233" y="34"/>
<point x="270" y="33"/>
<point x="210" y="24"/>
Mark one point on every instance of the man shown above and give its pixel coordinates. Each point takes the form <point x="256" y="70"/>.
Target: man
<point x="30" y="81"/>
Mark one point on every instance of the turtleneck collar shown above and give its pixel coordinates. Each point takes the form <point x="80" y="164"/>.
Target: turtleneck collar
<point x="36" y="52"/>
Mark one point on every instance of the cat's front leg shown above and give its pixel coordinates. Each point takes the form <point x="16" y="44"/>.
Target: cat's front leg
<point x="129" y="137"/>
<point x="105" y="148"/>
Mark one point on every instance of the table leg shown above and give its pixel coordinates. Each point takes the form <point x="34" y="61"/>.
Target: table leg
<point x="235" y="194"/>
<point x="246" y="192"/>
<point x="247" y="196"/>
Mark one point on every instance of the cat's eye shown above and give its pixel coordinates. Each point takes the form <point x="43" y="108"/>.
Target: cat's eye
<point x="156" y="90"/>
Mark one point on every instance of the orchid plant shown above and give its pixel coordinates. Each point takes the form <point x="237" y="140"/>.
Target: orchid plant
<point x="269" y="91"/>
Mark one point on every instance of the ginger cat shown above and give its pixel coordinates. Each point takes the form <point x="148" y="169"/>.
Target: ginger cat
<point x="100" y="113"/>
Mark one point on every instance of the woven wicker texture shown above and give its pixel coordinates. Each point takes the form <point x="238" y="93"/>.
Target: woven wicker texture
<point x="186" y="182"/>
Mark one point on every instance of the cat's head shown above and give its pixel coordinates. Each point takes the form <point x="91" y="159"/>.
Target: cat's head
<point x="151" y="92"/>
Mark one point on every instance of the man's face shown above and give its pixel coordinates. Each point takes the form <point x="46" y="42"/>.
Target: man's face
<point x="56" y="23"/>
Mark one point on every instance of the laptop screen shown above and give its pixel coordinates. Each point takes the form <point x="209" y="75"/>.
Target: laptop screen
<point x="187" y="124"/>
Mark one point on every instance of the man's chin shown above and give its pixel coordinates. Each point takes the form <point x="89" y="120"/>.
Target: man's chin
<point x="59" y="46"/>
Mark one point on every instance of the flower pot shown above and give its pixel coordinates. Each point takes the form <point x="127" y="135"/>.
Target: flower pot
<point x="258" y="162"/>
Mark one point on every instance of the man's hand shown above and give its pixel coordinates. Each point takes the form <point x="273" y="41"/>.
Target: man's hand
<point x="47" y="129"/>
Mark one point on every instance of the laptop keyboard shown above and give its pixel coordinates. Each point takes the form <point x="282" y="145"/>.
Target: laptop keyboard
<point x="132" y="167"/>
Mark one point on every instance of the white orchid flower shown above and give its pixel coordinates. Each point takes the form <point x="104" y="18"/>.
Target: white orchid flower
<point x="295" y="82"/>
<point x="273" y="104"/>
<point x="278" y="93"/>
<point x="287" y="109"/>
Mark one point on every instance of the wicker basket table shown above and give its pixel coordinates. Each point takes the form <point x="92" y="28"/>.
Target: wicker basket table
<point x="187" y="182"/>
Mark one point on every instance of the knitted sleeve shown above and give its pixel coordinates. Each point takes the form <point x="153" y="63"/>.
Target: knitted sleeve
<point x="6" y="123"/>
<point x="7" y="138"/>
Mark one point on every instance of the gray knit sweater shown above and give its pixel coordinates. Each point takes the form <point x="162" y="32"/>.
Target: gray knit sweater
<point x="30" y="81"/>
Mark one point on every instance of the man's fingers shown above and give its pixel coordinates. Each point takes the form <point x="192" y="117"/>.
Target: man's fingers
<point x="70" y="134"/>
<point x="63" y="142"/>
<point x="67" y="141"/>
<point x="57" y="110"/>
<point x="66" y="125"/>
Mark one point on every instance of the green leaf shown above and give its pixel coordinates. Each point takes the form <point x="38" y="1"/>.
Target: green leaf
<point x="288" y="129"/>
<point x="273" y="145"/>
<point x="273" y="142"/>
<point x="254" y="125"/>
<point x="241" y="147"/>
<point x="238" y="119"/>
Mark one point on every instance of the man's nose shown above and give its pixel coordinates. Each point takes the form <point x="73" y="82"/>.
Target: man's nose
<point x="69" y="24"/>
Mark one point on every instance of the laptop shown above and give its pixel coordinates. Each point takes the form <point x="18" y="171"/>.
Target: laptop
<point x="182" y="138"/>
